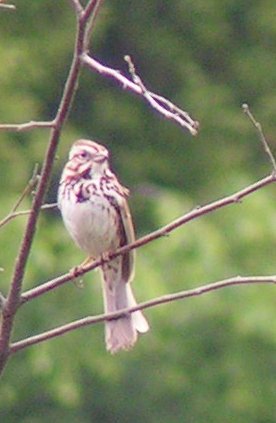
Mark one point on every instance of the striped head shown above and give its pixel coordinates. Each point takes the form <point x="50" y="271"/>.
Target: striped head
<point x="87" y="159"/>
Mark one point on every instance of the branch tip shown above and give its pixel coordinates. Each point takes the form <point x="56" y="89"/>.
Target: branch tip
<point x="260" y="132"/>
<point x="158" y="103"/>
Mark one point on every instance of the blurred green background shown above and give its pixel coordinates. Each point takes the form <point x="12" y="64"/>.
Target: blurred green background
<point x="206" y="360"/>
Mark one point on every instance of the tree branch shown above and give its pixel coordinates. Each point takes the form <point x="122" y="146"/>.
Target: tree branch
<point x="13" y="214"/>
<point x="90" y="13"/>
<point x="27" y="190"/>
<point x="258" y="127"/>
<point x="77" y="7"/>
<point x="165" y="230"/>
<point x="163" y="106"/>
<point x="13" y="298"/>
<point x="20" y="127"/>
<point x="69" y="327"/>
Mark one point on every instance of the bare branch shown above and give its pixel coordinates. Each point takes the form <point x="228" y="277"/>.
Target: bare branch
<point x="165" y="230"/>
<point x="174" y="112"/>
<point x="13" y="215"/>
<point x="27" y="190"/>
<point x="258" y="127"/>
<point x="13" y="298"/>
<point x="69" y="327"/>
<point x="77" y="6"/>
<point x="90" y="14"/>
<point x="158" y="103"/>
<point x="90" y="9"/>
<point x="26" y="126"/>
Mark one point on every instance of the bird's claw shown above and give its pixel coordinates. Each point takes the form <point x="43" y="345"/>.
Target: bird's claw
<point x="105" y="257"/>
<point x="76" y="271"/>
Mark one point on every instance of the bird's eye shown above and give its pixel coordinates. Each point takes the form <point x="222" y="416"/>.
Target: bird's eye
<point x="83" y="154"/>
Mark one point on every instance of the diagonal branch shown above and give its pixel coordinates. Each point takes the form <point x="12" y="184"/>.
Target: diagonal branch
<point x="259" y="129"/>
<point x="165" y="230"/>
<point x="158" y="103"/>
<point x="13" y="299"/>
<point x="69" y="327"/>
<point x="27" y="190"/>
<point x="163" y="106"/>
<point x="13" y="214"/>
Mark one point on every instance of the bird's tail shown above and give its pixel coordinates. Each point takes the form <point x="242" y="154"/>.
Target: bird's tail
<point x="120" y="334"/>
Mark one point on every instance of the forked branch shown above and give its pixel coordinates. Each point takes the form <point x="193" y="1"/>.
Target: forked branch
<point x="261" y="134"/>
<point x="160" y="104"/>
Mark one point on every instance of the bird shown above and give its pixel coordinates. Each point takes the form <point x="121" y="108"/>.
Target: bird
<point x="95" y="212"/>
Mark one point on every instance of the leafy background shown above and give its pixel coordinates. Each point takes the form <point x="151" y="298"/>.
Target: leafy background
<point x="209" y="359"/>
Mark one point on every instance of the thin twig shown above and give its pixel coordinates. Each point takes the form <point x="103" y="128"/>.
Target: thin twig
<point x="91" y="10"/>
<point x="258" y="127"/>
<point x="192" y="215"/>
<point x="26" y="126"/>
<point x="158" y="103"/>
<point x="174" y="112"/>
<point x="61" y="330"/>
<point x="173" y="108"/>
<point x="13" y="215"/>
<point x="27" y="190"/>
<point x="77" y="6"/>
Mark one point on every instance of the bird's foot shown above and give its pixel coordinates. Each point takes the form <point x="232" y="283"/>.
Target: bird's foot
<point x="105" y="257"/>
<point x="78" y="270"/>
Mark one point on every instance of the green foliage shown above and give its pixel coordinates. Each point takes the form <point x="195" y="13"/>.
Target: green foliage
<point x="206" y="360"/>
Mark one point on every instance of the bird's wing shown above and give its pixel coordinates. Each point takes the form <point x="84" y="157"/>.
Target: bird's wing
<point x="127" y="237"/>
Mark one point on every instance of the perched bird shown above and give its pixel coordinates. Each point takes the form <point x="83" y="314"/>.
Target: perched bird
<point x="95" y="212"/>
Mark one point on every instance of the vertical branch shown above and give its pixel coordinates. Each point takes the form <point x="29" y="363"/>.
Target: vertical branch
<point x="259" y="129"/>
<point x="13" y="298"/>
<point x="91" y="11"/>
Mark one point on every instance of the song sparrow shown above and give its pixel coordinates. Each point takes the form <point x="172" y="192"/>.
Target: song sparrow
<point x="95" y="212"/>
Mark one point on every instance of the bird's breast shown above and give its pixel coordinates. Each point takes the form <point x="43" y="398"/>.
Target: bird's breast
<point x="92" y="223"/>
